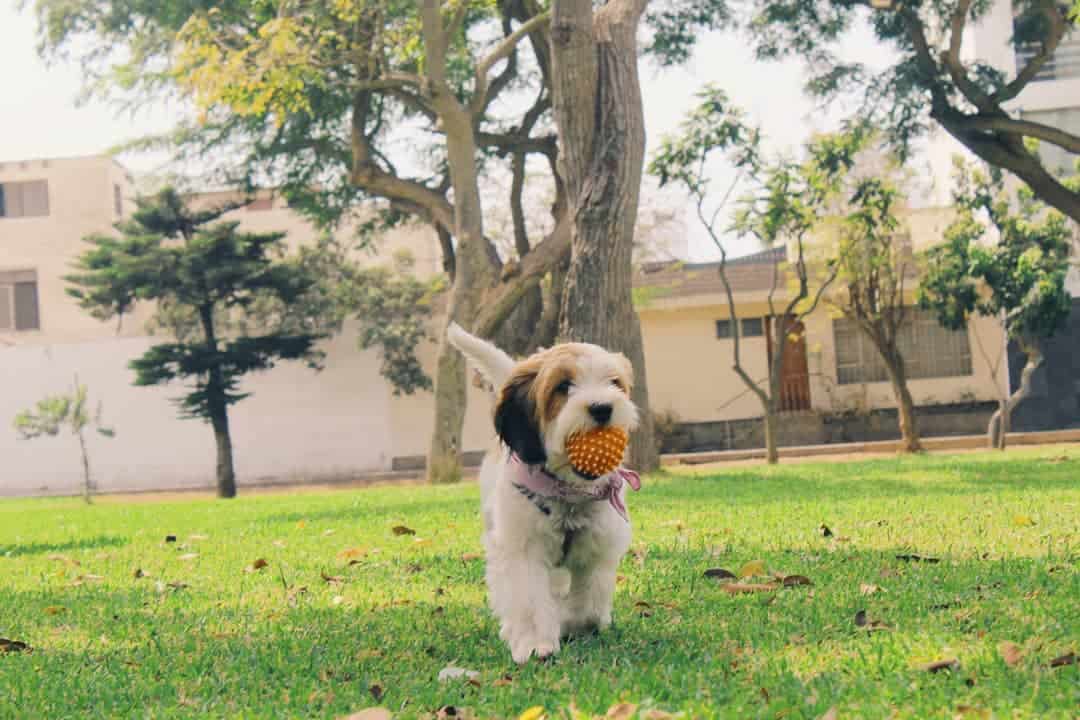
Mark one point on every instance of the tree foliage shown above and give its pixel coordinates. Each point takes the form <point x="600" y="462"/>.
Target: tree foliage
<point x="1018" y="278"/>
<point x="929" y="80"/>
<point x="69" y="411"/>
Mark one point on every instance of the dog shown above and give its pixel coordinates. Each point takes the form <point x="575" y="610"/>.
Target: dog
<point x="553" y="537"/>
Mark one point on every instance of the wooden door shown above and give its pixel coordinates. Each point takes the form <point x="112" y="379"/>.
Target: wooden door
<point x="794" y="371"/>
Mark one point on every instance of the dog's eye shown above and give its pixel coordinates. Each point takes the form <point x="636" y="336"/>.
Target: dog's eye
<point x="618" y="383"/>
<point x="563" y="388"/>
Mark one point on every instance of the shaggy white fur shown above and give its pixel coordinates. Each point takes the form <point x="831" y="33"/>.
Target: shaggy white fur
<point x="551" y="562"/>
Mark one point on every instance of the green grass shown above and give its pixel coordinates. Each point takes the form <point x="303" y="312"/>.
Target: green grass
<point x="248" y="644"/>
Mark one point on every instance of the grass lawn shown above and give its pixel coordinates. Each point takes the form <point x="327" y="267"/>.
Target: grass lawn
<point x="347" y="613"/>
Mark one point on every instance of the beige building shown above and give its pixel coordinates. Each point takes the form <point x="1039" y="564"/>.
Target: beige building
<point x="346" y="421"/>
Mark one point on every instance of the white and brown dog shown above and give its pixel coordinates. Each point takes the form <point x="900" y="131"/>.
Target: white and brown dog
<point x="553" y="537"/>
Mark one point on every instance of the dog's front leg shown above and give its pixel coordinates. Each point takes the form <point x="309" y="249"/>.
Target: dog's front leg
<point x="521" y="591"/>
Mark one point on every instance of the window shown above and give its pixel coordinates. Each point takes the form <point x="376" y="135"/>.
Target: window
<point x="928" y="349"/>
<point x="118" y="200"/>
<point x="751" y="327"/>
<point x="19" y="301"/>
<point x="24" y="199"/>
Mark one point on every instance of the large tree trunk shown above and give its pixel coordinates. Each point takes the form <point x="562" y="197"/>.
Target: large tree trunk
<point x="598" y="110"/>
<point x="905" y="405"/>
<point x="1001" y="420"/>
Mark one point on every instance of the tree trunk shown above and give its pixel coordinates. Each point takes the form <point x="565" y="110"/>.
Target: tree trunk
<point x="226" y="476"/>
<point x="87" y="485"/>
<point x="1001" y="420"/>
<point x="905" y="405"/>
<point x="598" y="111"/>
<point x="772" y="452"/>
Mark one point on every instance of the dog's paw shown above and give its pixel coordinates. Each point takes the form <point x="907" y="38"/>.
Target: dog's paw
<point x="526" y="648"/>
<point x="560" y="582"/>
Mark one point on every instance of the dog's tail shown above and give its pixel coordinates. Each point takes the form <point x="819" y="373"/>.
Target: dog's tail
<point x="494" y="364"/>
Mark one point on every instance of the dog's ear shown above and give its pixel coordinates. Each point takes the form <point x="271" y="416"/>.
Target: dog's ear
<point x="515" y="418"/>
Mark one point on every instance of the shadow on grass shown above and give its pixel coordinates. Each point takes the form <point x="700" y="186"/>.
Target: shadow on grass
<point x="36" y="548"/>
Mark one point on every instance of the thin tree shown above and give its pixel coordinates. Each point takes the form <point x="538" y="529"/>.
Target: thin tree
<point x="783" y="204"/>
<point x="68" y="411"/>
<point x="1018" y="279"/>
<point x="203" y="275"/>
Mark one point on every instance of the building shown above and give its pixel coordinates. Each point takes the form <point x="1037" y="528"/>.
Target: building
<point x="298" y="425"/>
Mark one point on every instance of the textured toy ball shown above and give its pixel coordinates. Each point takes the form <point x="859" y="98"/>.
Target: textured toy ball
<point x="597" y="452"/>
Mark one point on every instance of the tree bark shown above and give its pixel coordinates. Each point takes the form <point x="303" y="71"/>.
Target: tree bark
<point x="598" y="110"/>
<point x="1001" y="420"/>
<point x="905" y="405"/>
<point x="219" y="411"/>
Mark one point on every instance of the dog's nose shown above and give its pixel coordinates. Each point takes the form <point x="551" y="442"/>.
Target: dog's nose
<point x="600" y="412"/>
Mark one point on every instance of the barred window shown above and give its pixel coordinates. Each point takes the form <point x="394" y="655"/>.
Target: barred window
<point x="19" y="301"/>
<point x="24" y="199"/>
<point x="929" y="350"/>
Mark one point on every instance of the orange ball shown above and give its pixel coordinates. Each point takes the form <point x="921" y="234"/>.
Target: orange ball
<point x="597" y="452"/>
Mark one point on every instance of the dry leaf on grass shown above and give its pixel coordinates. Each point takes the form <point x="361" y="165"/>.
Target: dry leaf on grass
<point x="331" y="579"/>
<point x="950" y="664"/>
<point x="353" y="553"/>
<point x="259" y="564"/>
<point x="455" y="673"/>
<point x="1023" y="521"/>
<point x="55" y="610"/>
<point x="621" y="711"/>
<point x="469" y="557"/>
<point x="719" y="573"/>
<point x="795" y="580"/>
<point x="1010" y="652"/>
<point x="862" y="621"/>
<point x="830" y="714"/>
<point x="56" y="557"/>
<point x="825" y="531"/>
<point x="869" y="589"/>
<point x="12" y="646"/>
<point x="1063" y="660"/>
<point x="909" y="557"/>
<point x="536" y="712"/>
<point x="376" y="691"/>
<point x="657" y="715"/>
<point x="138" y="574"/>
<point x="187" y="557"/>
<point x="403" y="530"/>
<point x="743" y="588"/>
<point x="752" y="568"/>
<point x="375" y="713"/>
<point x="503" y="681"/>
<point x="969" y="711"/>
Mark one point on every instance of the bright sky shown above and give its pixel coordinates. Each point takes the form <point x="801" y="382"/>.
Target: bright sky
<point x="40" y="117"/>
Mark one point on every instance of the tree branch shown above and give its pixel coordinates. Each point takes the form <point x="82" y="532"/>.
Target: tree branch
<point x="501" y="51"/>
<point x="1046" y="51"/>
<point x="1004" y="124"/>
<point x="956" y="68"/>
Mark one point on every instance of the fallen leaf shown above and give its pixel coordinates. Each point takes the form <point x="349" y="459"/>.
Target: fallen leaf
<point x="534" y="713"/>
<point x="278" y="543"/>
<point x="966" y="711"/>
<point x="259" y="564"/>
<point x="1066" y="659"/>
<point x="719" y="573"/>
<point x="422" y="541"/>
<point x="65" y="559"/>
<point x="10" y="646"/>
<point x="937" y="666"/>
<point x="55" y="610"/>
<point x="450" y="711"/>
<point x="187" y="557"/>
<point x="376" y="691"/>
<point x="830" y="714"/>
<point x="621" y="711"/>
<point x="503" y="681"/>
<point x="868" y="589"/>
<point x="657" y="715"/>
<point x="1023" y="521"/>
<point x="469" y="557"/>
<point x="1010" y="652"/>
<point x="825" y="531"/>
<point x="328" y="533"/>
<point x="197" y="537"/>
<point x="177" y="585"/>
<point x="862" y="621"/>
<point x="375" y="713"/>
<point x="754" y="567"/>
<point x="301" y="524"/>
<point x="170" y="538"/>
<point x="138" y="574"/>
<point x="353" y="553"/>
<point x="402" y="530"/>
<point x="337" y="600"/>
<point x="741" y="588"/>
<point x="796" y="580"/>
<point x="331" y="579"/>
<point x="917" y="558"/>
<point x="455" y="673"/>
<point x="764" y="695"/>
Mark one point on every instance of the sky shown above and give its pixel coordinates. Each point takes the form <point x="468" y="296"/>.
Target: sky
<point x="41" y="118"/>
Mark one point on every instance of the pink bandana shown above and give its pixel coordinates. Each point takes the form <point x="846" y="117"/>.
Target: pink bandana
<point x="539" y="481"/>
